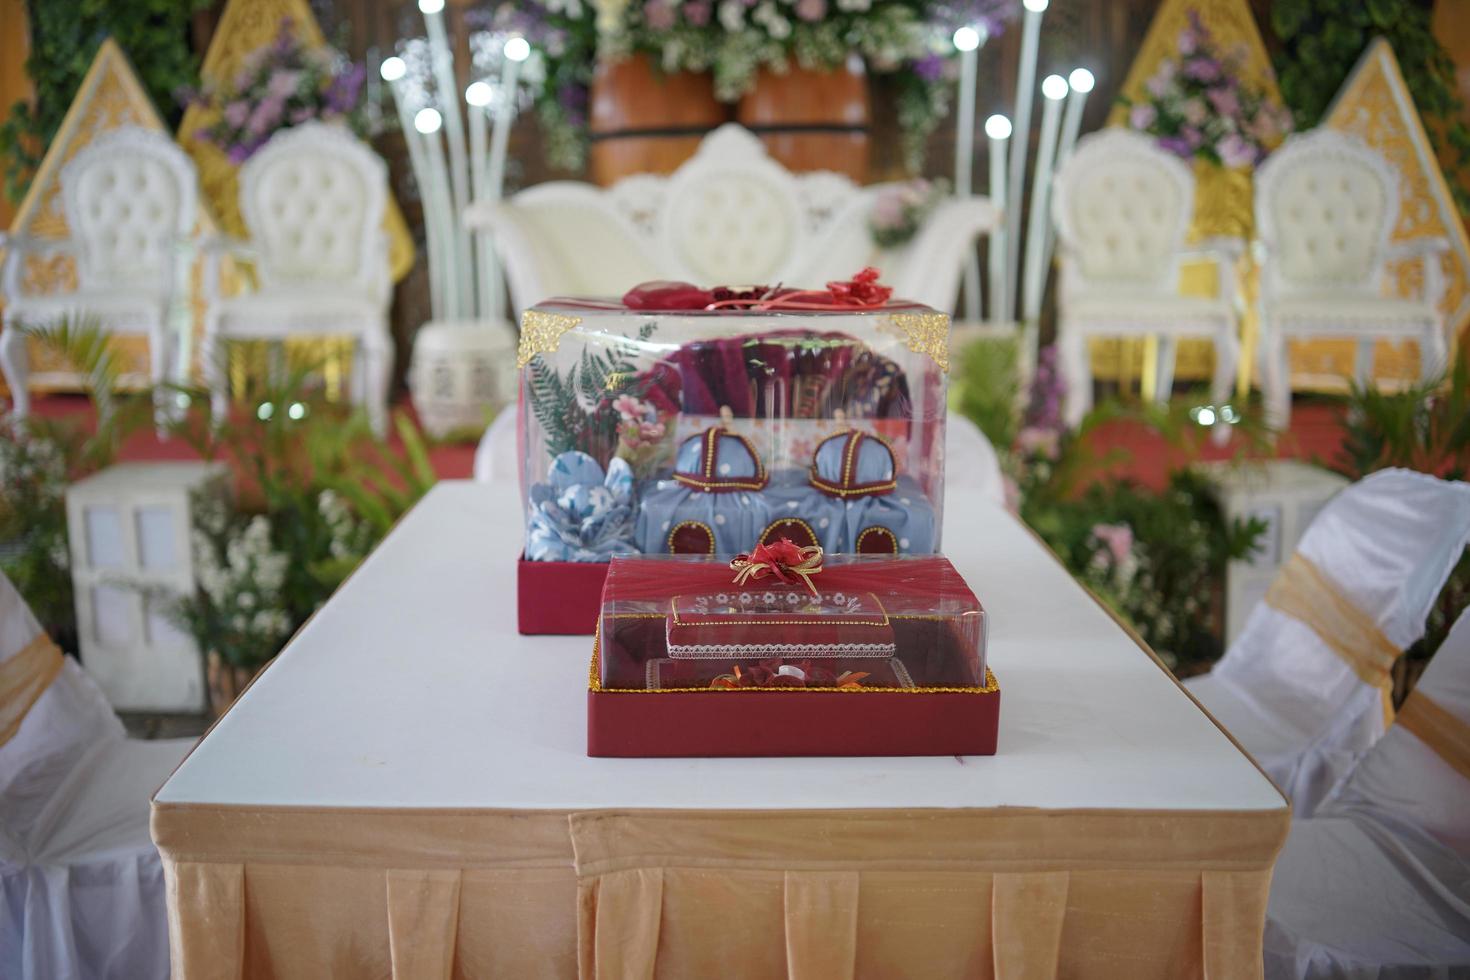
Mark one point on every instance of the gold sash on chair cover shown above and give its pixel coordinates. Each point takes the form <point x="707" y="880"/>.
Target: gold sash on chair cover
<point x="24" y="678"/>
<point x="1304" y="593"/>
<point x="1437" y="728"/>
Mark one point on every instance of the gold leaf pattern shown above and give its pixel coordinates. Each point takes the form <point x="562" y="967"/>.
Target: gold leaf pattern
<point x="1375" y="105"/>
<point x="110" y="96"/>
<point x="926" y="333"/>
<point x="541" y="333"/>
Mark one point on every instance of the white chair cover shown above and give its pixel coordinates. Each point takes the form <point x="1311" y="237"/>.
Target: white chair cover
<point x="1378" y="884"/>
<point x="81" y="887"/>
<point x="970" y="460"/>
<point x="1388" y="543"/>
<point x="496" y="457"/>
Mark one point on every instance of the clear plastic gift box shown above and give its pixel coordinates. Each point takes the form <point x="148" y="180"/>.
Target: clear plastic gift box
<point x="863" y="621"/>
<point x="871" y="655"/>
<point x="707" y="431"/>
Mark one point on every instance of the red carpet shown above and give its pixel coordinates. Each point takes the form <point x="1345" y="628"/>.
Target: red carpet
<point x="451" y="461"/>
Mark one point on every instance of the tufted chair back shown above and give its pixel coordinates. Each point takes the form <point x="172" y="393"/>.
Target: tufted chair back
<point x="129" y="197"/>
<point x="1325" y="206"/>
<point x="1122" y="207"/>
<point x="314" y="199"/>
<point x="732" y="213"/>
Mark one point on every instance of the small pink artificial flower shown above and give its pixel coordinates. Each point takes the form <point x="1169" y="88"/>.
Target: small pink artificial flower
<point x="630" y="408"/>
<point x="1225" y="100"/>
<point x="1163" y="80"/>
<point x="658" y="14"/>
<point x="1236" y="151"/>
<point x="1142" y="116"/>
<point x="1188" y="41"/>
<point x="1117" y="538"/>
<point x="283" y="83"/>
<point x="1037" y="441"/>
<point x="237" y="112"/>
<point x="888" y="211"/>
<point x="697" y="12"/>
<point x="811" y="10"/>
<point x="1194" y="111"/>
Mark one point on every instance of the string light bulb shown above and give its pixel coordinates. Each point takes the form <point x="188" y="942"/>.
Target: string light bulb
<point x="517" y="49"/>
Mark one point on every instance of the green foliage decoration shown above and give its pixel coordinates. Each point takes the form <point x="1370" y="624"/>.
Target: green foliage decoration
<point x="574" y="410"/>
<point x="317" y="492"/>
<point x="1321" y="40"/>
<point x="65" y="36"/>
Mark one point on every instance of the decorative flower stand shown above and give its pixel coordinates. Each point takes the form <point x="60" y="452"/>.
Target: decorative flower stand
<point x="1284" y="493"/>
<point x="129" y="527"/>
<point x="461" y="371"/>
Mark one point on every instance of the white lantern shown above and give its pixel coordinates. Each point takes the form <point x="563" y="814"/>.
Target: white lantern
<point x="461" y="372"/>
<point x="1286" y="495"/>
<point x="129" y="527"/>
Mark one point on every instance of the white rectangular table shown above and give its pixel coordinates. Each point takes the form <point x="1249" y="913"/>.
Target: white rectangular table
<point x="409" y="734"/>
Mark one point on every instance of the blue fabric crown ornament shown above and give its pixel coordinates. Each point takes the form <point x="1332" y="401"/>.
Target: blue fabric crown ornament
<point x="854" y="501"/>
<point x="713" y="505"/>
<point x="581" y="513"/>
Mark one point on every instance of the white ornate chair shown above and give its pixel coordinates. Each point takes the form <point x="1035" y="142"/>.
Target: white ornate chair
<point x="729" y="215"/>
<point x="1326" y="205"/>
<point x="129" y="199"/>
<point x="1122" y="207"/>
<point x="313" y="199"/>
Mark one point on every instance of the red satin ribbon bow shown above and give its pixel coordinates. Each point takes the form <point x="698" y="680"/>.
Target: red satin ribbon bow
<point x="862" y="292"/>
<point x="787" y="562"/>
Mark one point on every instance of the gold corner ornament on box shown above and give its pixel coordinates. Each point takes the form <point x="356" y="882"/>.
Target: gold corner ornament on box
<point x="927" y="333"/>
<point x="110" y="97"/>
<point x="244" y="26"/>
<point x="541" y="334"/>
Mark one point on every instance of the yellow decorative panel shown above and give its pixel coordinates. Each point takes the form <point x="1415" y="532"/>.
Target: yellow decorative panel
<point x="244" y="26"/>
<point x="1375" y="105"/>
<point x="1223" y="197"/>
<point x="110" y="96"/>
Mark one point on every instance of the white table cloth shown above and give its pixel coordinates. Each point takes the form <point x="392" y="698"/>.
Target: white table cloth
<point x="411" y="694"/>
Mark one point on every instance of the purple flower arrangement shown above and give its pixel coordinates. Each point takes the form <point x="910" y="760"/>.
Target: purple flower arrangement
<point x="1197" y="105"/>
<point x="281" y="84"/>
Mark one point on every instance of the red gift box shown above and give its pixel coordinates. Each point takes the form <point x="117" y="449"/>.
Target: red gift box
<point x="558" y="597"/>
<point x="932" y="696"/>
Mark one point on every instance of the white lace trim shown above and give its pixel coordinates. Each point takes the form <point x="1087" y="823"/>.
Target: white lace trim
<point x="750" y="651"/>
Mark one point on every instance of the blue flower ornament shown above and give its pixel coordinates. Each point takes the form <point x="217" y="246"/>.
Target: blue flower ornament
<point x="581" y="513"/>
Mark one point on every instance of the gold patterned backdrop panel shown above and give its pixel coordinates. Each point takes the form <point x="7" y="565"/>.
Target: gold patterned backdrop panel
<point x="1375" y="105"/>
<point x="244" y="26"/>
<point x="1223" y="198"/>
<point x="110" y="96"/>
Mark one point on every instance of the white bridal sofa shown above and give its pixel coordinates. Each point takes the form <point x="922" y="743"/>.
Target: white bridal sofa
<point x="729" y="215"/>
